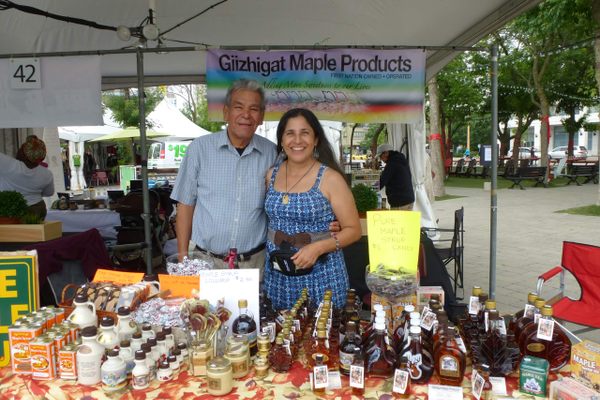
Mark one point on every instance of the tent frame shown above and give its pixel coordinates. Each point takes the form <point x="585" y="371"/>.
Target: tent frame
<point x="139" y="52"/>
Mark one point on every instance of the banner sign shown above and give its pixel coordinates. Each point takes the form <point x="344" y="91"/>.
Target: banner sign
<point x="50" y="91"/>
<point x="19" y="294"/>
<point x="352" y="85"/>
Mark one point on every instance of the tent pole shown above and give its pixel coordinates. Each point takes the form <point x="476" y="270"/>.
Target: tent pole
<point x="493" y="192"/>
<point x="144" y="157"/>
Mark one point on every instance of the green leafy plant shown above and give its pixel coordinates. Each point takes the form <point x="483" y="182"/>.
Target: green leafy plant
<point x="365" y="197"/>
<point x="32" y="219"/>
<point x="12" y="204"/>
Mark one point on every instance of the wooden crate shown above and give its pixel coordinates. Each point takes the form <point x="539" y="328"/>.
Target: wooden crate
<point x="31" y="232"/>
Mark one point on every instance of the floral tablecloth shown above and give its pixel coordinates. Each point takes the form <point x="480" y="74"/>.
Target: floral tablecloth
<point x="292" y="385"/>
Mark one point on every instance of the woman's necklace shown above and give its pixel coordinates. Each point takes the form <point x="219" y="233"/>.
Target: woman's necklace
<point x="285" y="198"/>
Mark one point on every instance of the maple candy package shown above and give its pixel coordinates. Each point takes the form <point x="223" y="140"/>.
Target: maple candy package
<point x="585" y="363"/>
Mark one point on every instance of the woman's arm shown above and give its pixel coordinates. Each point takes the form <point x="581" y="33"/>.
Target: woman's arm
<point x="336" y="190"/>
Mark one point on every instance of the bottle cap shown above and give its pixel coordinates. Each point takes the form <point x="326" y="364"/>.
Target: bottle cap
<point x="380" y="326"/>
<point x="415" y="330"/>
<point x="380" y="313"/>
<point x="125" y="343"/>
<point x="140" y="355"/>
<point x="409" y="308"/>
<point x="137" y="335"/>
<point x="113" y="353"/>
<point x="546" y="310"/>
<point x="476" y="291"/>
<point x="490" y="304"/>
<point x="181" y="346"/>
<point x="89" y="331"/>
<point x="146" y="327"/>
<point x="161" y="336"/>
<point x="164" y="365"/>
<point x="151" y="342"/>
<point x="172" y="358"/>
<point x="531" y="297"/>
<point x="380" y="320"/>
<point x="107" y="321"/>
<point x="415" y="315"/>
<point x="80" y="298"/>
<point x="539" y="303"/>
<point x="176" y="352"/>
<point x="415" y="322"/>
<point x="124" y="311"/>
<point x="167" y="330"/>
<point x="378" y="307"/>
<point x="242" y="303"/>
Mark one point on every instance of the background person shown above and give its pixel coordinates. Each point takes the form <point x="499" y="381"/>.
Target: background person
<point x="305" y="193"/>
<point x="220" y="186"/>
<point x="25" y="175"/>
<point x="396" y="178"/>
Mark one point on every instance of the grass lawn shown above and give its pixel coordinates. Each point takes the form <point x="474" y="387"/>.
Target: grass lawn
<point x="447" y="197"/>
<point x="477" y="183"/>
<point x="591" y="210"/>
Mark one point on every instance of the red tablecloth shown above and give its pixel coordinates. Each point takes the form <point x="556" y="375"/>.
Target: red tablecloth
<point x="292" y="385"/>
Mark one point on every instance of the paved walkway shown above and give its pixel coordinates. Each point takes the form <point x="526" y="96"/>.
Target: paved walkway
<point x="529" y="237"/>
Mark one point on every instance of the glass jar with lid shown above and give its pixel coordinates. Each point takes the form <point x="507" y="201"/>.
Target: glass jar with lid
<point x="238" y="353"/>
<point x="261" y="367"/>
<point x="220" y="376"/>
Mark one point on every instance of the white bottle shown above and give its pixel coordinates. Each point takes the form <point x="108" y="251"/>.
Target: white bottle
<point x="108" y="333"/>
<point x="147" y="332"/>
<point x="161" y="346"/>
<point x="84" y="313"/>
<point x="170" y="337"/>
<point x="113" y="372"/>
<point x="164" y="372"/>
<point x="126" y="327"/>
<point x="126" y="353"/>
<point x="136" y="341"/>
<point x="140" y="375"/>
<point x="150" y="363"/>
<point x="89" y="357"/>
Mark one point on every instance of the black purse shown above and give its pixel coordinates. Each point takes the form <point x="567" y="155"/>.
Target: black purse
<point x="281" y="261"/>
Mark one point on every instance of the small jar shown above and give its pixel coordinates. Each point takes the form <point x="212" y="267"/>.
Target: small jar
<point x="164" y="372"/>
<point x="219" y="376"/>
<point x="201" y="353"/>
<point x="264" y="342"/>
<point x="169" y="337"/>
<point x="174" y="364"/>
<point x="261" y="367"/>
<point x="184" y="350"/>
<point x="238" y="356"/>
<point x="177" y="353"/>
<point x="147" y="332"/>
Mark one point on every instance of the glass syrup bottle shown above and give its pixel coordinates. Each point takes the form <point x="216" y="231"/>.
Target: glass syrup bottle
<point x="420" y="362"/>
<point x="348" y="348"/>
<point x="450" y="361"/>
<point x="280" y="356"/>
<point x="245" y="325"/>
<point x="380" y="355"/>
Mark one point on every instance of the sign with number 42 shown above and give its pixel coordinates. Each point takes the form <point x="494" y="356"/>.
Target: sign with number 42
<point x="25" y="73"/>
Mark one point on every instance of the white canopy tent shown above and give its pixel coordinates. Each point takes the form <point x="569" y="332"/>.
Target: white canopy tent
<point x="442" y="30"/>
<point x="167" y="118"/>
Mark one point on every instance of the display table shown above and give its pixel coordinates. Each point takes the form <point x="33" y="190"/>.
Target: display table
<point x="81" y="220"/>
<point x="292" y="385"/>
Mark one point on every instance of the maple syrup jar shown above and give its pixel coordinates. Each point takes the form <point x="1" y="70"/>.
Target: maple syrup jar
<point x="220" y="376"/>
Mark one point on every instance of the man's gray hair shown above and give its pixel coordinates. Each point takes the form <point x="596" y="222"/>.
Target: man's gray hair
<point x="246" y="84"/>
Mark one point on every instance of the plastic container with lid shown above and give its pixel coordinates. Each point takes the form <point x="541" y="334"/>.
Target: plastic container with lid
<point x="220" y="376"/>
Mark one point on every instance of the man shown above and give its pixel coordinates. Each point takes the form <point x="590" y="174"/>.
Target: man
<point x="26" y="176"/>
<point x="396" y="178"/>
<point x="221" y="184"/>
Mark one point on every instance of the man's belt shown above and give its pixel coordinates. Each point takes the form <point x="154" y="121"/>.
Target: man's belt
<point x="240" y="257"/>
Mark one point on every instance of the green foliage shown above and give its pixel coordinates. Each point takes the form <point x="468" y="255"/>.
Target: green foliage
<point x="125" y="106"/>
<point x="365" y="197"/>
<point x="12" y="204"/>
<point x="591" y="210"/>
<point x="196" y="107"/>
<point x="32" y="219"/>
<point x="124" y="154"/>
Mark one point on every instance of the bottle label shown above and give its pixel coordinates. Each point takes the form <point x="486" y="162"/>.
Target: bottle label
<point x="428" y="320"/>
<point x="474" y="305"/>
<point x="214" y="383"/>
<point x="528" y="311"/>
<point x="238" y="367"/>
<point x="501" y="326"/>
<point x="321" y="377"/>
<point x="535" y="347"/>
<point x="346" y="360"/>
<point x="400" y="381"/>
<point x="545" y="329"/>
<point x="477" y="383"/>
<point x="325" y="357"/>
<point x="357" y="376"/>
<point x="449" y="366"/>
<point x="140" y="381"/>
<point x="415" y="362"/>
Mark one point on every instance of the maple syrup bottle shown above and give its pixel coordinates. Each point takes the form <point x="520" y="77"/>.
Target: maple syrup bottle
<point x="380" y="354"/>
<point x="401" y="326"/>
<point x="527" y="310"/>
<point x="348" y="348"/>
<point x="450" y="361"/>
<point x="357" y="374"/>
<point x="319" y="362"/>
<point x="554" y="347"/>
<point x="245" y="325"/>
<point x="404" y="367"/>
<point x="280" y="356"/>
<point x="513" y="351"/>
<point x="320" y="347"/>
<point x="420" y="362"/>
<point x="527" y="325"/>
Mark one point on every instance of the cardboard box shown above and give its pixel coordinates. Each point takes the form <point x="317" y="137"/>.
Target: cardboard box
<point x="424" y="294"/>
<point x="585" y="363"/>
<point x="533" y="376"/>
<point x="31" y="232"/>
<point x="569" y="389"/>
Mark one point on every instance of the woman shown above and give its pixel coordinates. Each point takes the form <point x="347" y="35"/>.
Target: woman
<point x="305" y="192"/>
<point x="26" y="175"/>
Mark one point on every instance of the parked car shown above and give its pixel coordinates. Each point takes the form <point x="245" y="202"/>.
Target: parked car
<point x="525" y="152"/>
<point x="561" y="152"/>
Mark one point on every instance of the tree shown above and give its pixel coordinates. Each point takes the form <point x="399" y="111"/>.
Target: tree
<point x="125" y="106"/>
<point x="596" y="25"/>
<point x="435" y="143"/>
<point x="195" y="106"/>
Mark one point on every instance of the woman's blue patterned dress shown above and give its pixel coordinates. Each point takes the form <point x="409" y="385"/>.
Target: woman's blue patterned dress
<point x="305" y="212"/>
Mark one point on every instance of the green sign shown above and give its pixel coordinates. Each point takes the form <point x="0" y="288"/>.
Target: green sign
<point x="19" y="295"/>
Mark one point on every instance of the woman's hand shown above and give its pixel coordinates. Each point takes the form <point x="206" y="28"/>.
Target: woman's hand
<point x="307" y="256"/>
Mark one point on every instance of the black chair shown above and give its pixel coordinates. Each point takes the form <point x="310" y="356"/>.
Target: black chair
<point x="455" y="251"/>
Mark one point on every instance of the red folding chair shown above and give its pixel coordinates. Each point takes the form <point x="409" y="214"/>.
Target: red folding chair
<point x="583" y="262"/>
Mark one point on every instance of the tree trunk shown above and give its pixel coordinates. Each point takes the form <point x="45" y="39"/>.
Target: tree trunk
<point x="537" y="73"/>
<point x="435" y="141"/>
<point x="596" y="16"/>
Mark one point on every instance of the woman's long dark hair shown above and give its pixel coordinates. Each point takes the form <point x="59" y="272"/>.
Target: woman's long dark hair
<point x="326" y="154"/>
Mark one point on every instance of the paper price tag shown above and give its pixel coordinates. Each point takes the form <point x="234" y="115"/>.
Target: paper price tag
<point x="400" y="381"/>
<point x="474" y="305"/>
<point x="545" y="329"/>
<point x="357" y="376"/>
<point x="528" y="310"/>
<point x="477" y="385"/>
<point x="127" y="278"/>
<point x="498" y="385"/>
<point x="321" y="377"/>
<point x="428" y="320"/>
<point x="180" y="286"/>
<point x="443" y="392"/>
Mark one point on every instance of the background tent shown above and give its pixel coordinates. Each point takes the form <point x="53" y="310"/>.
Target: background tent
<point x="167" y="118"/>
